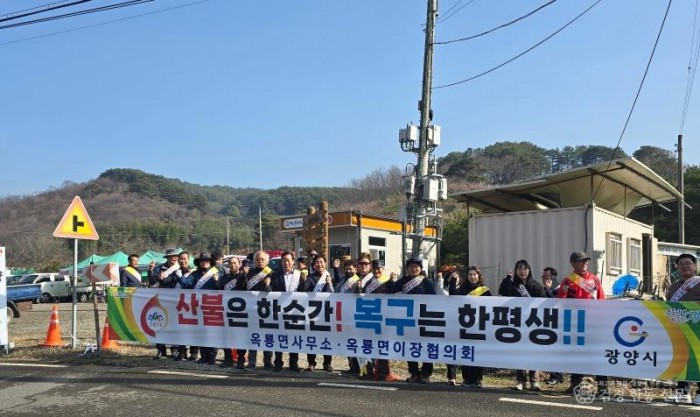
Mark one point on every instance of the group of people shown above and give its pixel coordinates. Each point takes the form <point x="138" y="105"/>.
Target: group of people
<point x="365" y="275"/>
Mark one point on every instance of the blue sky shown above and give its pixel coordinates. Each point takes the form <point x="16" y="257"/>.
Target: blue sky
<point x="311" y="92"/>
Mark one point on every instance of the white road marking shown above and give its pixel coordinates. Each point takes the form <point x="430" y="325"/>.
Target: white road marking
<point x="188" y="374"/>
<point x="33" y="365"/>
<point x="379" y="388"/>
<point x="578" y="406"/>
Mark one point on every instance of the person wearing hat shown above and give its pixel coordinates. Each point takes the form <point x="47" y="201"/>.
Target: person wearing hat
<point x="416" y="283"/>
<point x="584" y="285"/>
<point x="378" y="369"/>
<point x="258" y="278"/>
<point x="205" y="277"/>
<point x="319" y="280"/>
<point x="687" y="288"/>
<point x="164" y="276"/>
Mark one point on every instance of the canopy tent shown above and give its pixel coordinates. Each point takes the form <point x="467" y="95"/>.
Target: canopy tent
<point x="122" y="259"/>
<point x="159" y="257"/>
<point x="618" y="186"/>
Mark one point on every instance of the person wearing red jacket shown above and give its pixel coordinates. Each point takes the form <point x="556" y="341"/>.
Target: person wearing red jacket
<point x="584" y="285"/>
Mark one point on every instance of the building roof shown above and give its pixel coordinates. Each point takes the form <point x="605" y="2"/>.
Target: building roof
<point x="617" y="186"/>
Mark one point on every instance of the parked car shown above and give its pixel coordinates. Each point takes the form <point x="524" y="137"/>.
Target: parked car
<point x="13" y="279"/>
<point x="55" y="287"/>
<point x="20" y="298"/>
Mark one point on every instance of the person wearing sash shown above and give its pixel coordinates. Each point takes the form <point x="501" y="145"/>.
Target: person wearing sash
<point x="257" y="279"/>
<point x="471" y="286"/>
<point x="301" y="264"/>
<point x="130" y="276"/>
<point x="687" y="288"/>
<point x="183" y="260"/>
<point x="550" y="282"/>
<point x="319" y="280"/>
<point x="415" y="283"/>
<point x="163" y="276"/>
<point x="227" y="283"/>
<point x="286" y="279"/>
<point x="350" y="284"/>
<point x="364" y="268"/>
<point x="524" y="285"/>
<point x="583" y="285"/>
<point x="379" y="283"/>
<point x="205" y="277"/>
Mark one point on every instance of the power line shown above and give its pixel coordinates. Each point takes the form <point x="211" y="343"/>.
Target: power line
<point x="454" y="13"/>
<point x="104" y="23"/>
<point x="692" y="68"/>
<point x="499" y="27"/>
<point x="79" y="13"/>
<point x="35" y="10"/>
<point x="522" y="53"/>
<point x="639" y="90"/>
<point x="453" y="6"/>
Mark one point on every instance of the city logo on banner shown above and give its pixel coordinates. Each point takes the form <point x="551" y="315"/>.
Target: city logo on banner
<point x="153" y="317"/>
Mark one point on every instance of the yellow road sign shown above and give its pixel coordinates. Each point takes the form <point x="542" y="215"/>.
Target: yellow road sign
<point x="76" y="223"/>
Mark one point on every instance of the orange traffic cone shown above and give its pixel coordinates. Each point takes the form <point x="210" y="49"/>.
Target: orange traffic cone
<point x="107" y="342"/>
<point x="53" y="335"/>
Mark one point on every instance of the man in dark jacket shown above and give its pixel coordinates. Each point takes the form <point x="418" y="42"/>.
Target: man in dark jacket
<point x="164" y="276"/>
<point x="286" y="279"/>
<point x="258" y="278"/>
<point x="228" y="283"/>
<point x="319" y="280"/>
<point x="415" y="283"/>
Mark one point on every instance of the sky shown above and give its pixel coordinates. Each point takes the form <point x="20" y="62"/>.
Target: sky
<point x="274" y="93"/>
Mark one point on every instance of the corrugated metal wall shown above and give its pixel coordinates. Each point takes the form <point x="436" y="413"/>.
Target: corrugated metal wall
<point x="543" y="238"/>
<point x="547" y="238"/>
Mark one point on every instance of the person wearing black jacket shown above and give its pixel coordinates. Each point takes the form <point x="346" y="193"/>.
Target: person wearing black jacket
<point x="523" y="285"/>
<point x="227" y="283"/>
<point x="415" y="283"/>
<point x="257" y="279"/>
<point x="286" y="279"/>
<point x="473" y="286"/>
<point x="551" y="286"/>
<point x="164" y="276"/>
<point x="318" y="281"/>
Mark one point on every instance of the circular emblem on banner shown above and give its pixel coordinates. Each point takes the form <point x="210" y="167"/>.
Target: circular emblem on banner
<point x="153" y="317"/>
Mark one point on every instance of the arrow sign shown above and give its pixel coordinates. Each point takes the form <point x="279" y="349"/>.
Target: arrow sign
<point x="76" y="223"/>
<point x="108" y="272"/>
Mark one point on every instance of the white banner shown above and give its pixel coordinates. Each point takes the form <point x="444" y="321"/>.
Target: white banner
<point x="645" y="339"/>
<point x="4" y="339"/>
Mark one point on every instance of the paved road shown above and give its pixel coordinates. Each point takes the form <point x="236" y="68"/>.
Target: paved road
<point x="112" y="391"/>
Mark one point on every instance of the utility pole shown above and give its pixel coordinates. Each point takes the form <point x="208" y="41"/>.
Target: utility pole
<point x="228" y="239"/>
<point x="423" y="187"/>
<point x="260" y="225"/>
<point x="681" y="186"/>
<point x="419" y="218"/>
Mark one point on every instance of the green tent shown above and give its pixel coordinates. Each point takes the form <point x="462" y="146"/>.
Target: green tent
<point x="159" y="257"/>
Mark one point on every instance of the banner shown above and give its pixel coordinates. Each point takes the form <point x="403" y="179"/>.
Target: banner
<point x="4" y="338"/>
<point x="635" y="339"/>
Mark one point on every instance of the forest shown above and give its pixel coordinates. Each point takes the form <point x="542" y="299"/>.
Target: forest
<point x="135" y="211"/>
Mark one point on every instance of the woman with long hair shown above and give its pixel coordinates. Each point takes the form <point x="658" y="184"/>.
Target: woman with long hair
<point x="523" y="285"/>
<point x="472" y="286"/>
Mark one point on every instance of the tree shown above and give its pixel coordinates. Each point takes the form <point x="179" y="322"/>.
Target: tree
<point x="661" y="161"/>
<point x="454" y="248"/>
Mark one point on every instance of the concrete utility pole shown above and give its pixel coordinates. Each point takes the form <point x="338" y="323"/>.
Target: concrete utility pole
<point x="681" y="186"/>
<point x="423" y="186"/>
<point x="260" y="225"/>
<point x="419" y="218"/>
